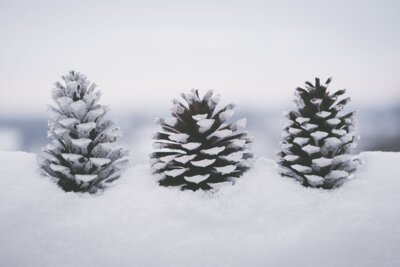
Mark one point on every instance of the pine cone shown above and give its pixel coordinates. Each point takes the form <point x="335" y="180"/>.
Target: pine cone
<point x="197" y="146"/>
<point x="82" y="157"/>
<point x="317" y="138"/>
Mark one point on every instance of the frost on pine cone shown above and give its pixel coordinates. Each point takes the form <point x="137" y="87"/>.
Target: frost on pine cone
<point x="197" y="147"/>
<point x="317" y="138"/>
<point x="82" y="156"/>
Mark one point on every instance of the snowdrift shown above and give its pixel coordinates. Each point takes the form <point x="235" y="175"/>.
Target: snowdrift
<point x="263" y="220"/>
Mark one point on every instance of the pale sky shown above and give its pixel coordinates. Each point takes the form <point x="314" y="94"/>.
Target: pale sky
<point x="141" y="54"/>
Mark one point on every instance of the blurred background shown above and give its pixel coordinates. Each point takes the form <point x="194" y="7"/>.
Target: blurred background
<point x="142" y="54"/>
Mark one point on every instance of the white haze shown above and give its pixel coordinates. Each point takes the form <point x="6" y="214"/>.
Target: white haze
<point x="143" y="53"/>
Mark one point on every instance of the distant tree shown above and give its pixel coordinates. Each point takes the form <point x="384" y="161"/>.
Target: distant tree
<point x="82" y="156"/>
<point x="317" y="138"/>
<point x="197" y="147"/>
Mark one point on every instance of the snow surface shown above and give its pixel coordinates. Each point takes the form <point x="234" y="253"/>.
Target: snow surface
<point x="10" y="139"/>
<point x="263" y="220"/>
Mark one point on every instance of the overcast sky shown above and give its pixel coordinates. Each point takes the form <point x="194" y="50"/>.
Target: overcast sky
<point x="144" y="53"/>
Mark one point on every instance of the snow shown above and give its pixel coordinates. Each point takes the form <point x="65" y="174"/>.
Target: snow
<point x="85" y="128"/>
<point x="214" y="100"/>
<point x="233" y="157"/>
<point x="322" y="162"/>
<point x="331" y="143"/>
<point x="318" y="135"/>
<point x="309" y="126"/>
<point x="159" y="145"/>
<point x="59" y="168"/>
<point x="349" y="120"/>
<point x="200" y="117"/>
<point x="316" y="101"/>
<point x="240" y="124"/>
<point x="333" y="121"/>
<point x="336" y="174"/>
<point x="314" y="180"/>
<point x="10" y="139"/>
<point x="168" y="158"/>
<point x="347" y="137"/>
<point x="176" y="172"/>
<point x="301" y="141"/>
<point x="302" y="120"/>
<point x="184" y="159"/>
<point x="339" y="132"/>
<point x="71" y="157"/>
<point x="286" y="123"/>
<point x="64" y="102"/>
<point x="226" y="169"/>
<point x="100" y="161"/>
<point x="60" y="131"/>
<point x="338" y="107"/>
<point x="213" y="151"/>
<point x="294" y="131"/>
<point x="203" y="163"/>
<point x="86" y="177"/>
<point x="94" y="114"/>
<point x="177" y="109"/>
<point x="103" y="149"/>
<point x="323" y="114"/>
<point x="262" y="220"/>
<point x="78" y="108"/>
<point x="205" y="125"/>
<point x="310" y="149"/>
<point x="291" y="157"/>
<point x="181" y="138"/>
<point x="196" y="178"/>
<point x="171" y="121"/>
<point x="221" y="133"/>
<point x="237" y="143"/>
<point x="160" y="165"/>
<point x="343" y="158"/>
<point x="68" y="122"/>
<point x="189" y="97"/>
<point x="226" y="115"/>
<point x="286" y="146"/>
<point x="191" y="146"/>
<point x="301" y="168"/>
<point x="81" y="142"/>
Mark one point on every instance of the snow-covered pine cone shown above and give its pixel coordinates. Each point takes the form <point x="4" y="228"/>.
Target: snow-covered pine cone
<point x="82" y="156"/>
<point x="197" y="147"/>
<point x="317" y="138"/>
